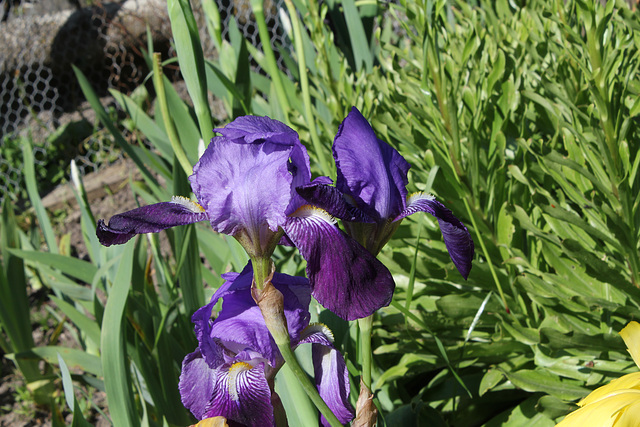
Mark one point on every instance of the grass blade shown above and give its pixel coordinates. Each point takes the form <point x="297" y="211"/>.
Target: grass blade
<point x="74" y="267"/>
<point x="191" y="59"/>
<point x="117" y="379"/>
<point x="359" y="41"/>
<point x="34" y="196"/>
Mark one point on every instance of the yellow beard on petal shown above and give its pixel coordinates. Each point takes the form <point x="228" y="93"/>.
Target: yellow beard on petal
<point x="418" y="195"/>
<point x="319" y="327"/>
<point x="307" y="211"/>
<point x="235" y="370"/>
<point x="187" y="203"/>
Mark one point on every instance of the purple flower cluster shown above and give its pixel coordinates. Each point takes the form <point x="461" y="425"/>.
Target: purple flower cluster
<point x="231" y="372"/>
<point x="253" y="182"/>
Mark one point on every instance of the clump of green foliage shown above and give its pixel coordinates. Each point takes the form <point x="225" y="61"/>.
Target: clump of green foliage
<point x="523" y="118"/>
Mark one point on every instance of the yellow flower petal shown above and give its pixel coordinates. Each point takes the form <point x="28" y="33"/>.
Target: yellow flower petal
<point x="631" y="336"/>
<point x="604" y="412"/>
<point x="629" y="416"/>
<point x="212" y="422"/>
<point x="629" y="381"/>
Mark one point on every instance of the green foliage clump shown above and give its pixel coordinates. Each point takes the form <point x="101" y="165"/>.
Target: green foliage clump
<point x="522" y="118"/>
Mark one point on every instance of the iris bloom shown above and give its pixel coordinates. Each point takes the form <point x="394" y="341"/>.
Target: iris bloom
<point x="245" y="184"/>
<point x="370" y="195"/>
<point x="231" y="372"/>
<point x="616" y="404"/>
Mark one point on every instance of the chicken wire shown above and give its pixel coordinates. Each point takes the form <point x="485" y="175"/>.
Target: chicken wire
<point x="41" y="99"/>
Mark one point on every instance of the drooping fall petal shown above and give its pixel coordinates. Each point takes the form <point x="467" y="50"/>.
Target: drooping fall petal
<point x="241" y="393"/>
<point x="616" y="410"/>
<point x="629" y="381"/>
<point x="212" y="422"/>
<point x="149" y="219"/>
<point x="333" y="201"/>
<point x="345" y="277"/>
<point x="616" y="404"/>
<point x="197" y="380"/>
<point x="330" y="369"/>
<point x="456" y="236"/>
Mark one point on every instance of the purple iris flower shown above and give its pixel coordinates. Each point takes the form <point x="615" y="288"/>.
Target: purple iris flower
<point x="245" y="184"/>
<point x="370" y="195"/>
<point x="231" y="372"/>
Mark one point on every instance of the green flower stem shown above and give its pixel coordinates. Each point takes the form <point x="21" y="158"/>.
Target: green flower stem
<point x="304" y="85"/>
<point x="305" y="382"/>
<point x="262" y="271"/>
<point x="158" y="83"/>
<point x="365" y="326"/>
<point x="274" y="71"/>
<point x="271" y="303"/>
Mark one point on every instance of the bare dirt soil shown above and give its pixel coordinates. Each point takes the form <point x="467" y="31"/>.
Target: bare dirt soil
<point x="17" y="408"/>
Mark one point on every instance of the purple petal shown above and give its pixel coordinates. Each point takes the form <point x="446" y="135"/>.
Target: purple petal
<point x="243" y="186"/>
<point x="325" y="180"/>
<point x="456" y="236"/>
<point x="369" y="170"/>
<point x="149" y="219"/>
<point x="251" y="129"/>
<point x="240" y="320"/>
<point x="333" y="201"/>
<point x="242" y="394"/>
<point x="331" y="375"/>
<point x="273" y="138"/>
<point x="210" y="350"/>
<point x="345" y="277"/>
<point x="299" y="169"/>
<point x="196" y="384"/>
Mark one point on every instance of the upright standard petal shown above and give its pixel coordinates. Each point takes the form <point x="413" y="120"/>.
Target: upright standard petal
<point x="210" y="350"/>
<point x="456" y="236"/>
<point x="254" y="129"/>
<point x="243" y="186"/>
<point x="149" y="219"/>
<point x="246" y="179"/>
<point x="369" y="170"/>
<point x="345" y="277"/>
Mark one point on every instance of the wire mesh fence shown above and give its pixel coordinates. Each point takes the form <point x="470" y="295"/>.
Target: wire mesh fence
<point x="40" y="98"/>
